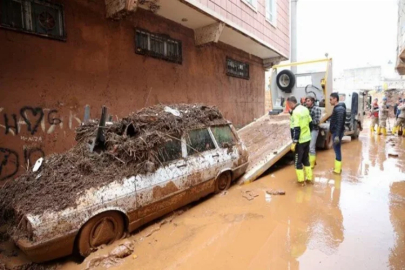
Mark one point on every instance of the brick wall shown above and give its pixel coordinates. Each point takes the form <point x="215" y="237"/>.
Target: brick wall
<point x="45" y="83"/>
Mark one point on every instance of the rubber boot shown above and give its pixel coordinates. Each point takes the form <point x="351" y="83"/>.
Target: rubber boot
<point x="378" y="130"/>
<point x="394" y="130"/>
<point x="308" y="174"/>
<point x="384" y="131"/>
<point x="300" y="175"/>
<point x="371" y="129"/>
<point x="338" y="167"/>
<point x="312" y="160"/>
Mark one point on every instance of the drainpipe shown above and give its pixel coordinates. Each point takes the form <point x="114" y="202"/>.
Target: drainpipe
<point x="294" y="34"/>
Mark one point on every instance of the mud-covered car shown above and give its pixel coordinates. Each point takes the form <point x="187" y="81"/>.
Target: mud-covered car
<point x="199" y="162"/>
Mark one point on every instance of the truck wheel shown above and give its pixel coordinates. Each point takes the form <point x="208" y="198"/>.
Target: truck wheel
<point x="102" y="229"/>
<point x="328" y="141"/>
<point x="223" y="182"/>
<point x="356" y="131"/>
<point x="285" y="81"/>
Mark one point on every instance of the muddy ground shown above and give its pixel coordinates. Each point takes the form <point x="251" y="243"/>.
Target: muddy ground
<point x="352" y="221"/>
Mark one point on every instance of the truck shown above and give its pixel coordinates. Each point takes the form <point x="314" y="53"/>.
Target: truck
<point x="268" y="138"/>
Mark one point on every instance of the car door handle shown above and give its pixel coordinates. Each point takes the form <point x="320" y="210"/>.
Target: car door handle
<point x="181" y="166"/>
<point x="216" y="155"/>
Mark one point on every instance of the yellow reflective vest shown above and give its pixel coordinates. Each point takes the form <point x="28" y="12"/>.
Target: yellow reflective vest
<point x="300" y="118"/>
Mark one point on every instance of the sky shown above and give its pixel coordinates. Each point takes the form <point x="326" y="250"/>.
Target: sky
<point x="355" y="33"/>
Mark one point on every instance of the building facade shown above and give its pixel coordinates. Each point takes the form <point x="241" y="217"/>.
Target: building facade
<point x="400" y="66"/>
<point x="58" y="56"/>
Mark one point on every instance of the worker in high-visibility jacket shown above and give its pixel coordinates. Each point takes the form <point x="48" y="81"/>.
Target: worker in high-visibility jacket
<point x="301" y="126"/>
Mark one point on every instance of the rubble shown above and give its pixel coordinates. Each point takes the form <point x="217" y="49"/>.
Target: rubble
<point x="249" y="194"/>
<point x="123" y="250"/>
<point x="275" y="192"/>
<point x="131" y="147"/>
<point x="106" y="261"/>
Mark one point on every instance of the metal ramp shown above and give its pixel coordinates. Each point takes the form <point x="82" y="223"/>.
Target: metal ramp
<point x="267" y="139"/>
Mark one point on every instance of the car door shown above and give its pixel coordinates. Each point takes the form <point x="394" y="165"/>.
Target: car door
<point x="227" y="146"/>
<point x="157" y="191"/>
<point x="202" y="157"/>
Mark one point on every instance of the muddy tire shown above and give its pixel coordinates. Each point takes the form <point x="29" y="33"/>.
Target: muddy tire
<point x="223" y="182"/>
<point x="356" y="131"/>
<point x="328" y="141"/>
<point x="102" y="229"/>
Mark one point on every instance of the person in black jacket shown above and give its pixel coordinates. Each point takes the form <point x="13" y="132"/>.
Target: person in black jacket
<point x="337" y="128"/>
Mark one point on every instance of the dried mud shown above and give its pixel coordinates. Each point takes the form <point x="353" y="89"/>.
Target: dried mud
<point x="131" y="147"/>
<point x="267" y="135"/>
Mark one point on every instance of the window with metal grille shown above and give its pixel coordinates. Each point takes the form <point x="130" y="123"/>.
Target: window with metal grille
<point x="33" y="16"/>
<point x="158" y="46"/>
<point x="237" y="69"/>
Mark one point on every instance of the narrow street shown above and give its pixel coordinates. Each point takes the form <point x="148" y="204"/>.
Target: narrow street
<point x="352" y="221"/>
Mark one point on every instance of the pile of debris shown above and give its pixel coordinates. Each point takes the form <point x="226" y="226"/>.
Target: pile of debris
<point x="131" y="146"/>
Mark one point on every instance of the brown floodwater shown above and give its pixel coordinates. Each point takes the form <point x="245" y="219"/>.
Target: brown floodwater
<point x="351" y="221"/>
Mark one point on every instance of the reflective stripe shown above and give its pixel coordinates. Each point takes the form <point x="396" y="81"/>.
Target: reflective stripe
<point x="301" y="118"/>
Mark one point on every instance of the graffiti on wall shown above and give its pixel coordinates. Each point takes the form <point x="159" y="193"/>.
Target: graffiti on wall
<point x="36" y="119"/>
<point x="30" y="125"/>
<point x="10" y="160"/>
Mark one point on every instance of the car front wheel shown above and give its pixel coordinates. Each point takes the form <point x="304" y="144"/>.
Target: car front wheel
<point x="223" y="182"/>
<point x="102" y="229"/>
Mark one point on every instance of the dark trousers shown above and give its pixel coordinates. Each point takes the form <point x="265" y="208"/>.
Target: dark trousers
<point x="337" y="147"/>
<point x="302" y="155"/>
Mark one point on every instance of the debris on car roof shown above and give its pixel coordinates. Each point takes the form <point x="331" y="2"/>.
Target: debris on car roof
<point x="130" y="148"/>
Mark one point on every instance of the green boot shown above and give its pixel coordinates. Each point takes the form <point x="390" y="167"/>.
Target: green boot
<point x="312" y="160"/>
<point x="338" y="167"/>
<point x="308" y="174"/>
<point x="300" y="175"/>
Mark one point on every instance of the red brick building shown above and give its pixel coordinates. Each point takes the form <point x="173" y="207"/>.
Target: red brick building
<point x="57" y="56"/>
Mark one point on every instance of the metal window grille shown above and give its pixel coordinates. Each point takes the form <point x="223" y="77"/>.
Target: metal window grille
<point x="237" y="69"/>
<point x="158" y="46"/>
<point x="38" y="17"/>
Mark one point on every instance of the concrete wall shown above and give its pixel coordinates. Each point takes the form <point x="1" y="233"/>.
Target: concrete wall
<point x="254" y="21"/>
<point x="45" y="84"/>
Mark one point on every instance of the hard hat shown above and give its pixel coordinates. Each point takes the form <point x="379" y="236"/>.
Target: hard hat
<point x="384" y="98"/>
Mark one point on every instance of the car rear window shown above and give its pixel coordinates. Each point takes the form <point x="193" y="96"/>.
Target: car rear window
<point x="198" y="141"/>
<point x="171" y="150"/>
<point x="223" y="135"/>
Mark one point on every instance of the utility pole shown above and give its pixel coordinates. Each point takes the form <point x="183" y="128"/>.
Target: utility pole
<point x="294" y="34"/>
